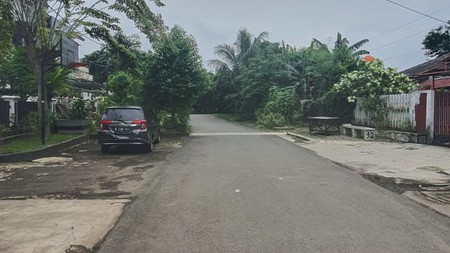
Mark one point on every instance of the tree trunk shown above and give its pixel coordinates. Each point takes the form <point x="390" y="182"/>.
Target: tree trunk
<point x="38" y="70"/>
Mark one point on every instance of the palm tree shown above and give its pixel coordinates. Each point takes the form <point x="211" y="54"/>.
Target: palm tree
<point x="238" y="54"/>
<point x="342" y="44"/>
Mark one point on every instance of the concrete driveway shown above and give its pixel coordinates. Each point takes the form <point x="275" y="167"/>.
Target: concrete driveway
<point x="69" y="202"/>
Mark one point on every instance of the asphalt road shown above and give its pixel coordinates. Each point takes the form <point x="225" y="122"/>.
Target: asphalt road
<point x="225" y="191"/>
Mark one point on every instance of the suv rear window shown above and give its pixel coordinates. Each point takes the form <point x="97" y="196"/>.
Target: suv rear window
<point x="125" y="114"/>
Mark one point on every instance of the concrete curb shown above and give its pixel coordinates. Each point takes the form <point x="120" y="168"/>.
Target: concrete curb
<point x="300" y="136"/>
<point x="46" y="151"/>
<point x="439" y="208"/>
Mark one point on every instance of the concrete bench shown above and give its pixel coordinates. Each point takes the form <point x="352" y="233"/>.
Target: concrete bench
<point x="347" y="129"/>
<point x="366" y="133"/>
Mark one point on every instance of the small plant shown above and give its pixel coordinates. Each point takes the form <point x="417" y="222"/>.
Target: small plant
<point x="408" y="127"/>
<point x="53" y="119"/>
<point x="78" y="109"/>
<point x="279" y="109"/>
<point x="272" y="120"/>
<point x="4" y="131"/>
<point x="30" y="124"/>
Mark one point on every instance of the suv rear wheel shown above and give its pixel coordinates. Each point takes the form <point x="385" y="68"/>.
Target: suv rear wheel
<point x="149" y="147"/>
<point x="158" y="140"/>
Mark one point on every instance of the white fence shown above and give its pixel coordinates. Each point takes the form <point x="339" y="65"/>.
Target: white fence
<point x="400" y="112"/>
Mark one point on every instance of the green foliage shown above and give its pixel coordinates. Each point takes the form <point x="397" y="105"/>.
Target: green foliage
<point x="5" y="131"/>
<point x="271" y="120"/>
<point x="370" y="82"/>
<point x="182" y="121"/>
<point x="144" y="19"/>
<point x="279" y="110"/>
<point x="124" y="88"/>
<point x="317" y="68"/>
<point x="122" y="53"/>
<point x="265" y="70"/>
<point x="30" y="124"/>
<point x="205" y="102"/>
<point x="30" y="143"/>
<point x="53" y="119"/>
<point x="7" y="28"/>
<point x="246" y="71"/>
<point x="174" y="77"/>
<point x="78" y="109"/>
<point x="16" y="71"/>
<point x="103" y="102"/>
<point x="99" y="65"/>
<point x="437" y="42"/>
<point x="373" y="80"/>
<point x="57" y="81"/>
<point x="76" y="18"/>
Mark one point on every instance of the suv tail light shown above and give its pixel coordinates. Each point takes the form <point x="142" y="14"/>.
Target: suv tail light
<point x="143" y="123"/>
<point x="103" y="123"/>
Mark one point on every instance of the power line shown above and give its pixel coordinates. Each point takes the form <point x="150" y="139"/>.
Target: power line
<point x="97" y="64"/>
<point x="416" y="11"/>
<point x="398" y="56"/>
<point x="406" y="24"/>
<point x="399" y="40"/>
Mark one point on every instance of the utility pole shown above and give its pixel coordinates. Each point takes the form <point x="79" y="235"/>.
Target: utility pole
<point x="43" y="97"/>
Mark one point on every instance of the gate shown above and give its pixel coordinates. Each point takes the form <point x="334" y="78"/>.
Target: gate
<point x="442" y="118"/>
<point x="4" y="113"/>
<point x="421" y="114"/>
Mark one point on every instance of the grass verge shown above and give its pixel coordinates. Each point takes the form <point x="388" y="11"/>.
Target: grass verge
<point x="30" y="143"/>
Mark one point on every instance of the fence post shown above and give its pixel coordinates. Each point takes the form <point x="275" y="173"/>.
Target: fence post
<point x="13" y="115"/>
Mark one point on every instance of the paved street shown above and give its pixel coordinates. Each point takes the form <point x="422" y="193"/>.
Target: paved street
<point x="227" y="191"/>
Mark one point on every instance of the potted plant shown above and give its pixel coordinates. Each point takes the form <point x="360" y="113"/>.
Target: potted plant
<point x="77" y="122"/>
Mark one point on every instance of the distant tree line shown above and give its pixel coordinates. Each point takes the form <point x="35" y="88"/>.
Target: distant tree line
<point x="277" y="84"/>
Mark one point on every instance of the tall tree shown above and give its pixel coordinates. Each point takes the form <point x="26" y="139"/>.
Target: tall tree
<point x="237" y="55"/>
<point x="124" y="88"/>
<point x="16" y="71"/>
<point x="121" y="53"/>
<point x="174" y="77"/>
<point x="437" y="42"/>
<point x="7" y="28"/>
<point x="323" y="67"/>
<point x="41" y="35"/>
<point x="231" y="60"/>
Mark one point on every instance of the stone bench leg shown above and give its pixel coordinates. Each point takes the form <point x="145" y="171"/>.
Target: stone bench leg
<point x="347" y="131"/>
<point x="355" y="133"/>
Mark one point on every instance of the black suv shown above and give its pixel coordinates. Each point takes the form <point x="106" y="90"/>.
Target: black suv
<point x="128" y="125"/>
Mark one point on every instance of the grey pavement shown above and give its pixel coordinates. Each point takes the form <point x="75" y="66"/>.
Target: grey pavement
<point x="422" y="168"/>
<point x="260" y="193"/>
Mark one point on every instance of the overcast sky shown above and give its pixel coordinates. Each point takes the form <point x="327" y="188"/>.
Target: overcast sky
<point x="395" y="33"/>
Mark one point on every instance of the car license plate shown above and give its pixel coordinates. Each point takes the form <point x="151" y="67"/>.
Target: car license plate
<point x="121" y="129"/>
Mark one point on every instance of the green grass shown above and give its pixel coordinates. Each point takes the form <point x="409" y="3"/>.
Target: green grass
<point x="30" y="143"/>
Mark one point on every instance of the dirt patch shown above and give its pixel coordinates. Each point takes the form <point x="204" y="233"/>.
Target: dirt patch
<point x="85" y="175"/>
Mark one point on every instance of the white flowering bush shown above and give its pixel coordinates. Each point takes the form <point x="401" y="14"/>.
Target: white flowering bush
<point x="373" y="80"/>
<point x="370" y="82"/>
